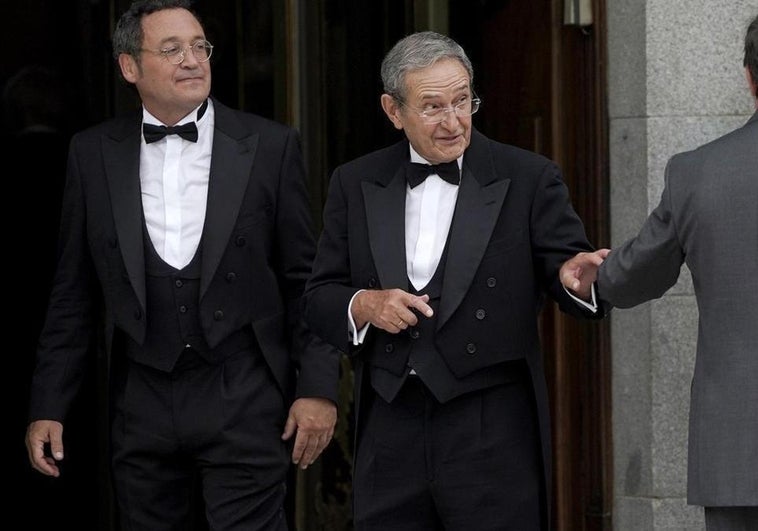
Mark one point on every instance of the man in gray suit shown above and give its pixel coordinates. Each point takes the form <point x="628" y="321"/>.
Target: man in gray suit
<point x="708" y="219"/>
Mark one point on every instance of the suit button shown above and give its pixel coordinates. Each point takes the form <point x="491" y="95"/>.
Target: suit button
<point x="240" y="241"/>
<point x="178" y="283"/>
<point x="471" y="348"/>
<point x="231" y="277"/>
<point x="372" y="282"/>
<point x="389" y="348"/>
<point x="415" y="334"/>
<point x="480" y="314"/>
<point x="113" y="242"/>
<point x="137" y="314"/>
<point x="491" y="282"/>
<point x="218" y="315"/>
<point x="182" y="309"/>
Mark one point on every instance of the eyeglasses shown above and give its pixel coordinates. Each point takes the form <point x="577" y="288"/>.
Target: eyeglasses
<point x="174" y="52"/>
<point x="435" y="114"/>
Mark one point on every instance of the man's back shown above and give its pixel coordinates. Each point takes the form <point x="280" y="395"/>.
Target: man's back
<point x="708" y="219"/>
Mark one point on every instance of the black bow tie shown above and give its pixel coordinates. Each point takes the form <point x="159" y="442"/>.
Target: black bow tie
<point x="448" y="171"/>
<point x="153" y="133"/>
<point x="187" y="131"/>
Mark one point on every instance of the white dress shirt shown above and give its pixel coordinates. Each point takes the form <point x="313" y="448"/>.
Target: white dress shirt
<point x="174" y="183"/>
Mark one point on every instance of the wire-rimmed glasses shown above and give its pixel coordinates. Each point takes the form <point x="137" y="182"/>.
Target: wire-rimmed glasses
<point x="175" y="52"/>
<point x="436" y="114"/>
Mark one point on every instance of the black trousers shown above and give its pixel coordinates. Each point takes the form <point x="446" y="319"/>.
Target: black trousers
<point x="471" y="463"/>
<point x="221" y="423"/>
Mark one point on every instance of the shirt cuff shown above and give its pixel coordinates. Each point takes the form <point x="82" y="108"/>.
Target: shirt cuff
<point x="591" y="306"/>
<point x="356" y="336"/>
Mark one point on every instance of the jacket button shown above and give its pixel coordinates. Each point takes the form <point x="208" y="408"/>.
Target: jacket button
<point x="415" y="334"/>
<point x="389" y="348"/>
<point x="113" y="242"/>
<point x="218" y="315"/>
<point x="491" y="282"/>
<point x="137" y="314"/>
<point x="480" y="314"/>
<point x="471" y="348"/>
<point x="372" y="282"/>
<point x="182" y="309"/>
<point x="240" y="241"/>
<point x="178" y="283"/>
<point x="231" y="277"/>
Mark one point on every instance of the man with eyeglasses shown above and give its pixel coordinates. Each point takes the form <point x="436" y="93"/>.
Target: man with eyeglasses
<point x="189" y="224"/>
<point x="432" y="267"/>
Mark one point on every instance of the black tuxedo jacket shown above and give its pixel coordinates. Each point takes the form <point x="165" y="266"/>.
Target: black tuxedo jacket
<point x="257" y="243"/>
<point x="512" y="229"/>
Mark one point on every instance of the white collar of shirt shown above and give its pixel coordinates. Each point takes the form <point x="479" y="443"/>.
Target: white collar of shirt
<point x="174" y="176"/>
<point x="429" y="209"/>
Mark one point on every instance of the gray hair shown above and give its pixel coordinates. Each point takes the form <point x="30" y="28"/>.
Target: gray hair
<point x="128" y="35"/>
<point x="416" y="51"/>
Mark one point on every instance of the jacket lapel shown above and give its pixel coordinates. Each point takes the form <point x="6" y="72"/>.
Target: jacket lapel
<point x="121" y="155"/>
<point x="480" y="200"/>
<point x="233" y="154"/>
<point x="385" y="213"/>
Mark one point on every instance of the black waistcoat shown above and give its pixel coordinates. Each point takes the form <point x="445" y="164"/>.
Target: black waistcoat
<point x="173" y="315"/>
<point x="394" y="355"/>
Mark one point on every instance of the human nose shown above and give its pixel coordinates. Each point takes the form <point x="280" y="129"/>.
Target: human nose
<point x="450" y="113"/>
<point x="188" y="57"/>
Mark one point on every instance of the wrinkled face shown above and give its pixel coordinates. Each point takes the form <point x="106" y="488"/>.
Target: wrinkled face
<point x="441" y="85"/>
<point x="168" y="91"/>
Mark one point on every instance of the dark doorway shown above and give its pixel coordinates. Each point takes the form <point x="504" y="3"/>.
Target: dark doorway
<point x="315" y="64"/>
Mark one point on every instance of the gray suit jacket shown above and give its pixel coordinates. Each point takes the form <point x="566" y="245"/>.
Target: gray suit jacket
<point x="708" y="219"/>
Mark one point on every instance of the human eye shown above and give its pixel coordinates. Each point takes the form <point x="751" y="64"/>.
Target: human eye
<point x="432" y="109"/>
<point x="462" y="102"/>
<point x="200" y="46"/>
<point x="171" y="50"/>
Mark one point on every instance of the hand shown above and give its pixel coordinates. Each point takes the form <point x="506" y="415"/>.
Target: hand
<point x="313" y="420"/>
<point x="39" y="433"/>
<point x="580" y="272"/>
<point x="389" y="309"/>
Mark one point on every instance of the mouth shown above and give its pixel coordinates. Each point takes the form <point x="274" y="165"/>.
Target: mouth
<point x="449" y="139"/>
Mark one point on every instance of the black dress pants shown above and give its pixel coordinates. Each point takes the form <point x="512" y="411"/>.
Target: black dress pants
<point x="472" y="463"/>
<point x="220" y="422"/>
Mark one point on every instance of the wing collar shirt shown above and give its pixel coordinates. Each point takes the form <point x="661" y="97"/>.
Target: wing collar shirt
<point x="174" y="175"/>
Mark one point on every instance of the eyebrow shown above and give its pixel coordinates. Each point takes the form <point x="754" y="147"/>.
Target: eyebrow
<point x="455" y="92"/>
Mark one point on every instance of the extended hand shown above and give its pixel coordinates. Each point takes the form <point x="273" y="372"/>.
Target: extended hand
<point x="580" y="272"/>
<point x="389" y="309"/>
<point x="313" y="420"/>
<point x="39" y="433"/>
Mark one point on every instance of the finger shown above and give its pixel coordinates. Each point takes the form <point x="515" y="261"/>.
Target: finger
<point x="570" y="275"/>
<point x="298" y="448"/>
<point x="420" y="304"/>
<point x="309" y="452"/>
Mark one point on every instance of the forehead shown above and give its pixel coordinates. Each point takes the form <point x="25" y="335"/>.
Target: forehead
<point x="171" y="24"/>
<point x="445" y="77"/>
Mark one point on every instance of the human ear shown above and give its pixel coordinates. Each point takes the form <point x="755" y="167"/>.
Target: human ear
<point x="391" y="108"/>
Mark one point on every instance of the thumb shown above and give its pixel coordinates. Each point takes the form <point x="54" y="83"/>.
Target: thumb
<point x="56" y="442"/>
<point x="289" y="428"/>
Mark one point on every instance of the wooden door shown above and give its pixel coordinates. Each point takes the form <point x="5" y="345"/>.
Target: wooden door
<point x="542" y="87"/>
